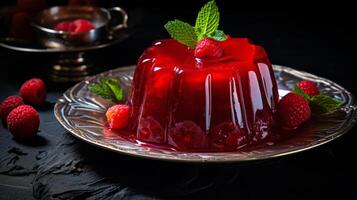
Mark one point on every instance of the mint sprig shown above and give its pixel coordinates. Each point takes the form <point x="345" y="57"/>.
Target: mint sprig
<point x="182" y="32"/>
<point x="206" y="25"/>
<point x="108" y="88"/>
<point x="207" y="20"/>
<point x="319" y="104"/>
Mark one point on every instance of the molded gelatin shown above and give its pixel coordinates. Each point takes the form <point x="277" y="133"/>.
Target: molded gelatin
<point x="215" y="104"/>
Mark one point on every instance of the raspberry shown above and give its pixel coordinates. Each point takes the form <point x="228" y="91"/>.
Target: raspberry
<point x="150" y="130"/>
<point x="227" y="136"/>
<point x="309" y="88"/>
<point x="77" y="26"/>
<point x="118" y="116"/>
<point x="187" y="135"/>
<point x="65" y="26"/>
<point x="33" y="91"/>
<point x="82" y="25"/>
<point x="9" y="104"/>
<point x="293" y="110"/>
<point x="23" y="122"/>
<point x="208" y="48"/>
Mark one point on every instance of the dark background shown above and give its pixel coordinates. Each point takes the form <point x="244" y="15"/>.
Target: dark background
<point x="315" y="38"/>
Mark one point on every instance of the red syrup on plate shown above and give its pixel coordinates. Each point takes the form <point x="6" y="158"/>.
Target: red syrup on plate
<point x="277" y="136"/>
<point x="191" y="104"/>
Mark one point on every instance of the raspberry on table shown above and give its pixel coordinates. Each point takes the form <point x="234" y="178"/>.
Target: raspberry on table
<point x="9" y="104"/>
<point x="33" y="92"/>
<point x="23" y="122"/>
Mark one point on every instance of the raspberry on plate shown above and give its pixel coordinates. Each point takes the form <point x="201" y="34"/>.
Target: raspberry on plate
<point x="208" y="48"/>
<point x="118" y="116"/>
<point x="33" y="92"/>
<point x="308" y="87"/>
<point x="293" y="110"/>
<point x="23" y="122"/>
<point x="9" y="104"/>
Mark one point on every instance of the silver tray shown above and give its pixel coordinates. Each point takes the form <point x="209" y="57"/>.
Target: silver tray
<point x="82" y="114"/>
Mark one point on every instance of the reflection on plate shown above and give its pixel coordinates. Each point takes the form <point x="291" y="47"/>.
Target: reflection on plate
<point x="82" y="114"/>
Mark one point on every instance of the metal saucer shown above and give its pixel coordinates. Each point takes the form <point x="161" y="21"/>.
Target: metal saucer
<point x="83" y="115"/>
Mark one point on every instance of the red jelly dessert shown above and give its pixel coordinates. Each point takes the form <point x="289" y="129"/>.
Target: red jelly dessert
<point x="195" y="103"/>
<point x="202" y="90"/>
<point x="206" y="91"/>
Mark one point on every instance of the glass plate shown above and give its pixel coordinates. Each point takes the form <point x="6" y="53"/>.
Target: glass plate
<point x="82" y="114"/>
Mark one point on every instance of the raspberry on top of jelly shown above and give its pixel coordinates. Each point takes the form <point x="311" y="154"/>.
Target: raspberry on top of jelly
<point x="171" y="53"/>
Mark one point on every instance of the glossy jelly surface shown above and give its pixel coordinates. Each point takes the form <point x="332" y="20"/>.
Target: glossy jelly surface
<point x="215" y="104"/>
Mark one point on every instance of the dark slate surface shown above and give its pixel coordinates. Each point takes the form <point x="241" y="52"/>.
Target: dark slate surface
<point x="55" y="165"/>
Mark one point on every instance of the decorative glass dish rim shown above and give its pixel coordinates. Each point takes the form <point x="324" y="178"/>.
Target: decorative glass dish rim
<point x="71" y="101"/>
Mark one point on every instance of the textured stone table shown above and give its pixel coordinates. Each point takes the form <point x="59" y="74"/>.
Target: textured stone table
<point x="56" y="165"/>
